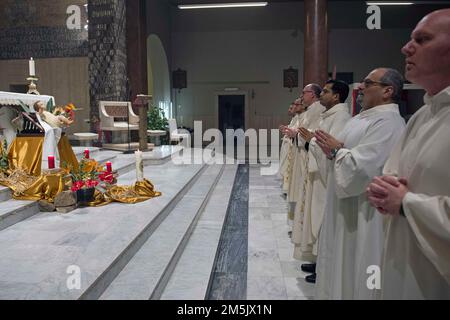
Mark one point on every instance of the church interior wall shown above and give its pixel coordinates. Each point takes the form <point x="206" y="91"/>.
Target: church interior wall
<point x="249" y="50"/>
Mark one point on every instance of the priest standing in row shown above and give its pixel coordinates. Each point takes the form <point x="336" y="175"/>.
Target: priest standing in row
<point x="414" y="192"/>
<point x="288" y="174"/>
<point x="285" y="145"/>
<point x="313" y="109"/>
<point x="351" y="239"/>
<point x="332" y="120"/>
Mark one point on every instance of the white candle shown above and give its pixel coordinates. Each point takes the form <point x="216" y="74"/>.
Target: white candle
<point x="139" y="166"/>
<point x="32" y="67"/>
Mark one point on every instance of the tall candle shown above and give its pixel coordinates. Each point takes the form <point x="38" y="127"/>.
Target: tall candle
<point x="32" y="67"/>
<point x="109" y="167"/>
<point x="139" y="166"/>
<point x="86" y="153"/>
<point x="51" y="162"/>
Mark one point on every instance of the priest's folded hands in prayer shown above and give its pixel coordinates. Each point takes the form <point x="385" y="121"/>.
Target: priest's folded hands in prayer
<point x="291" y="133"/>
<point x="329" y="144"/>
<point x="305" y="134"/>
<point x="386" y="193"/>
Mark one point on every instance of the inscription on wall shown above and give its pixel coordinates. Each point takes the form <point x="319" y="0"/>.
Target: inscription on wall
<point x="42" y="42"/>
<point x="37" y="28"/>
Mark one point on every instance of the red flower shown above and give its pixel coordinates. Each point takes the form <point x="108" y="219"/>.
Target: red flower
<point x="77" y="185"/>
<point x="91" y="183"/>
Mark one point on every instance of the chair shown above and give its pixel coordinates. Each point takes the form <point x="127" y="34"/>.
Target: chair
<point x="114" y="114"/>
<point x="176" y="136"/>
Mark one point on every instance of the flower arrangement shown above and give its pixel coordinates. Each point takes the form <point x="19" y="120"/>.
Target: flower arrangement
<point x="88" y="175"/>
<point x="67" y="111"/>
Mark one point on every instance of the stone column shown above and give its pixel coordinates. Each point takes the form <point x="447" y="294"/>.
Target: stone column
<point x="316" y="42"/>
<point x="137" y="61"/>
<point x="107" y="54"/>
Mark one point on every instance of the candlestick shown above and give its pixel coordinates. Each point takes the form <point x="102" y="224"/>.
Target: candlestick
<point x="109" y="167"/>
<point x="32" y="67"/>
<point x="139" y="166"/>
<point x="86" y="153"/>
<point x="51" y="162"/>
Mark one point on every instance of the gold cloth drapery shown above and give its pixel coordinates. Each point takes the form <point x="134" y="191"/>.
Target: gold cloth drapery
<point x="28" y="187"/>
<point x="26" y="153"/>
<point x="47" y="186"/>
<point x="27" y="182"/>
<point x="139" y="192"/>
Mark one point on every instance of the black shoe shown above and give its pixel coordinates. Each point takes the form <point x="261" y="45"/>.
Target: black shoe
<point x="309" y="267"/>
<point x="311" y="278"/>
<point x="290" y="234"/>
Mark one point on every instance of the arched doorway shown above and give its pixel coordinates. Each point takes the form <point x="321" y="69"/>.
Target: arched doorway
<point x="158" y="74"/>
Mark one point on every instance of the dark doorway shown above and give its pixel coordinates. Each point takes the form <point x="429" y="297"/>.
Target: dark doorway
<point x="231" y="112"/>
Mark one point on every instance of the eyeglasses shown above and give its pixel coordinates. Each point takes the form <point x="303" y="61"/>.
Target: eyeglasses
<point x="368" y="83"/>
<point x="304" y="91"/>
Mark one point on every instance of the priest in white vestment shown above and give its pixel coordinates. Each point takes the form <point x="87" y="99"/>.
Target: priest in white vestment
<point x="311" y="123"/>
<point x="333" y="120"/>
<point x="351" y="239"/>
<point x="286" y="141"/>
<point x="289" y="133"/>
<point x="415" y="191"/>
<point x="310" y="100"/>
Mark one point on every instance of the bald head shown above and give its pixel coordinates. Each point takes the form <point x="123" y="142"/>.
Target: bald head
<point x="428" y="52"/>
<point x="438" y="18"/>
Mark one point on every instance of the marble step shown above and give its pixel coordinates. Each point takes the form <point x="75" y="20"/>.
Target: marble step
<point x="149" y="270"/>
<point x="5" y="194"/>
<point x="99" y="242"/>
<point x="13" y="211"/>
<point x="201" y="250"/>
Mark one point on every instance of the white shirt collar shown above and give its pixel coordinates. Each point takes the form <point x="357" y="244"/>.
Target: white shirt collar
<point x="439" y="100"/>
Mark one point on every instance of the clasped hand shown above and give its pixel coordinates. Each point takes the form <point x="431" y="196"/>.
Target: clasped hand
<point x="386" y="193"/>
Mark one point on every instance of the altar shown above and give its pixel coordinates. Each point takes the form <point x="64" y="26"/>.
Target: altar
<point x="30" y="152"/>
<point x="9" y="106"/>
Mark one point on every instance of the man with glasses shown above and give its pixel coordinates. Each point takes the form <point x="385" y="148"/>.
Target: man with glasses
<point x="310" y="99"/>
<point x="414" y="193"/>
<point x="309" y="214"/>
<point x="351" y="238"/>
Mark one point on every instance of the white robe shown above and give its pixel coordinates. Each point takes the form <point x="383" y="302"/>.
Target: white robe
<point x="284" y="152"/>
<point x="416" y="260"/>
<point x="310" y="118"/>
<point x="50" y="147"/>
<point x="352" y="235"/>
<point x="331" y="121"/>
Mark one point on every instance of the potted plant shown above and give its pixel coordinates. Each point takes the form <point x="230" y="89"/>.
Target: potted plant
<point x="86" y="178"/>
<point x="157" y="119"/>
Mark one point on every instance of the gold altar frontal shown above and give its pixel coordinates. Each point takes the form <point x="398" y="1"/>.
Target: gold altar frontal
<point x="26" y="153"/>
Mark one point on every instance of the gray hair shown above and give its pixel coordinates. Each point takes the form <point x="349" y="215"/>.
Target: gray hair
<point x="393" y="78"/>
<point x="316" y="89"/>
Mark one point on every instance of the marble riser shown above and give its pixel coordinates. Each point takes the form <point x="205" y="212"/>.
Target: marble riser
<point x="107" y="277"/>
<point x="146" y="277"/>
<point x="5" y="194"/>
<point x="99" y="240"/>
<point x="18" y="214"/>
<point x="201" y="250"/>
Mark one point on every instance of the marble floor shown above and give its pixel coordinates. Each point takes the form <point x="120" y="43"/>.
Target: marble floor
<point x="273" y="274"/>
